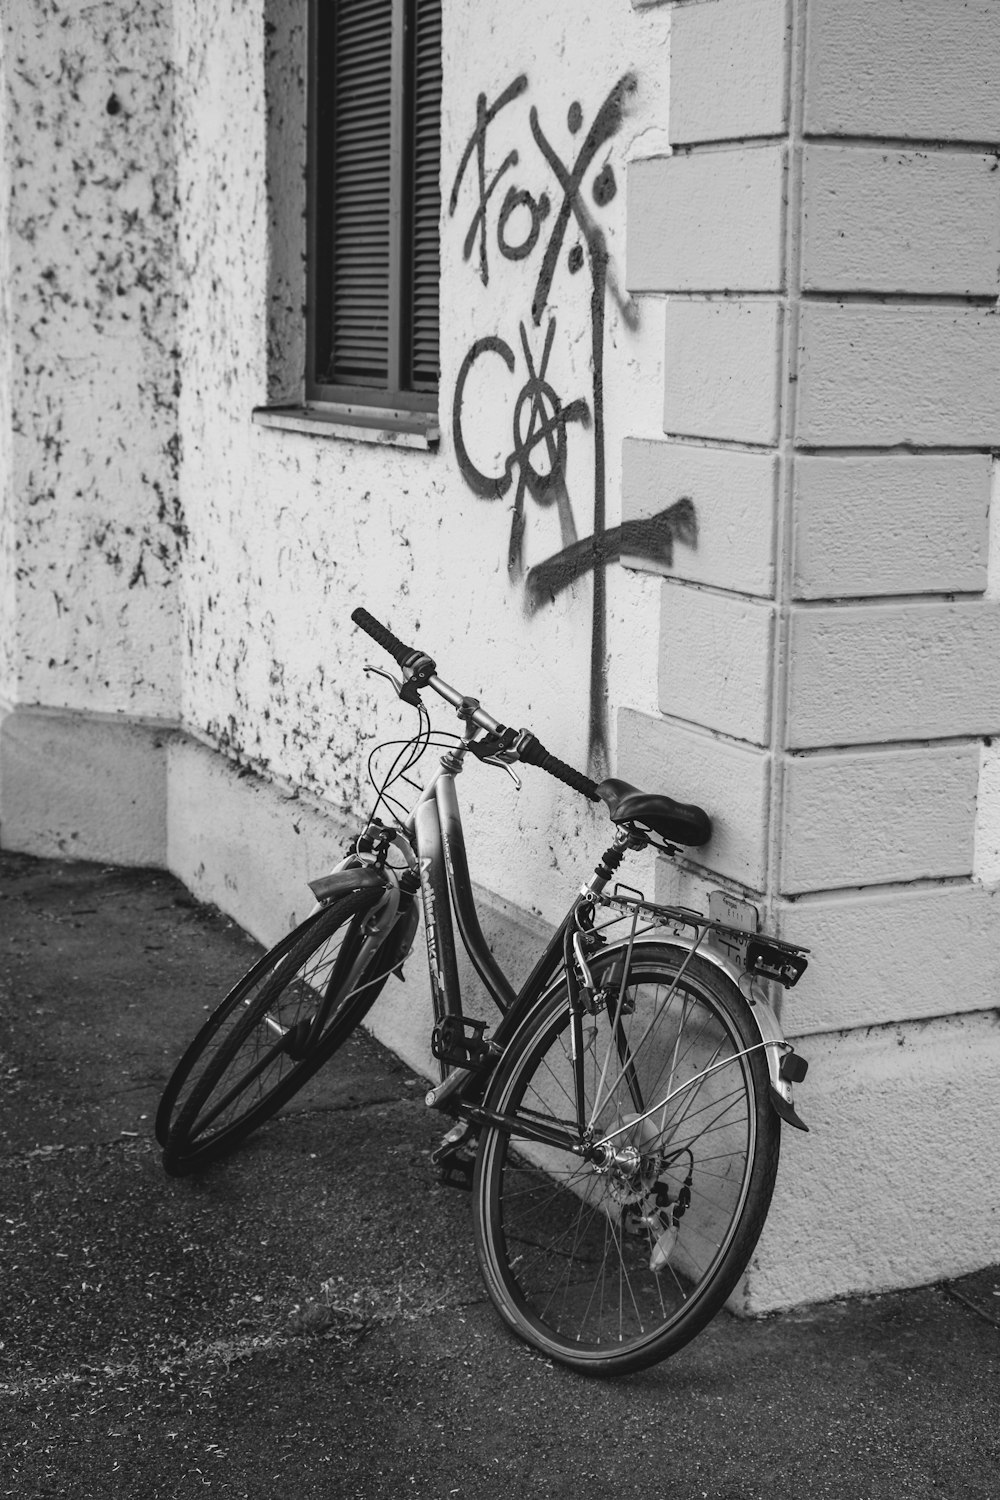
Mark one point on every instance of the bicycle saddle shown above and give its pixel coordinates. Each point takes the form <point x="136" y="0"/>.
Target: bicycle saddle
<point x="677" y="822"/>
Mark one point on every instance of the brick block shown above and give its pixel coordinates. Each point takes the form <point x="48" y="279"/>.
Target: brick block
<point x="878" y="376"/>
<point x="878" y="957"/>
<point x="728" y="70"/>
<point x="867" y="818"/>
<point x="715" y="661"/>
<point x="730" y="781"/>
<point x="890" y="524"/>
<point x="899" y="221"/>
<point x="734" y="496"/>
<point x="708" y="222"/>
<point x="721" y="370"/>
<point x="861" y="674"/>
<point x="986" y="863"/>
<point x="917" y="69"/>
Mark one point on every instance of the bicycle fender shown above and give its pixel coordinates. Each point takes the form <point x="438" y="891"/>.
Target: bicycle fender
<point x="397" y="920"/>
<point x="344" y="882"/>
<point x="764" y="1019"/>
<point x="766" y="1023"/>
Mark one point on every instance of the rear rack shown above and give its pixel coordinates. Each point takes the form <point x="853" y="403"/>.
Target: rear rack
<point x="768" y="957"/>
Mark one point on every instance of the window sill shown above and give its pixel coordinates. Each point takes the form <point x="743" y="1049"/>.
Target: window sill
<point x="359" y="424"/>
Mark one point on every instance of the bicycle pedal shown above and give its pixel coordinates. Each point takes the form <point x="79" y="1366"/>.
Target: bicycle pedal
<point x="459" y="1137"/>
<point x="457" y="1172"/>
<point x="455" y="1157"/>
<point x="459" y="1041"/>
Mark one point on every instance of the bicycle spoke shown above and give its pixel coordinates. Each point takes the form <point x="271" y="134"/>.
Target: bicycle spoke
<point x="603" y="1257"/>
<point x="271" y="1033"/>
<point x="239" y="1088"/>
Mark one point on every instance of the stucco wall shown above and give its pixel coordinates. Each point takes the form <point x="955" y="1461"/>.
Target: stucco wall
<point x="94" y="533"/>
<point x="288" y="532"/>
<point x="8" y="533"/>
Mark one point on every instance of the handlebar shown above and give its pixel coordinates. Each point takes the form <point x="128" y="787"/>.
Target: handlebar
<point x="385" y="638"/>
<point x="422" y="672"/>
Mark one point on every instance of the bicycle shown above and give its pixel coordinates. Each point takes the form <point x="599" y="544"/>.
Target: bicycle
<point x="619" y="1128"/>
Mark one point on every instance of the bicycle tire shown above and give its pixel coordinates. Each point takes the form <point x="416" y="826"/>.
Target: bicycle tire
<point x="166" y="1108"/>
<point x="254" y="1052"/>
<point x="609" y="1270"/>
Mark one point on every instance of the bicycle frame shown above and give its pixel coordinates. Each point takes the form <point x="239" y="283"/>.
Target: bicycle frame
<point x="433" y="842"/>
<point x="446" y="889"/>
<point x="614" y="1124"/>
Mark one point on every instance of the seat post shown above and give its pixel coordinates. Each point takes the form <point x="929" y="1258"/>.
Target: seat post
<point x="610" y="860"/>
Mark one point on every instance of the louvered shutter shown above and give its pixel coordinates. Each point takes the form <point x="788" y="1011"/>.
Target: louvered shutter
<point x="361" y="190"/>
<point x="375" y="201"/>
<point x="426" y="201"/>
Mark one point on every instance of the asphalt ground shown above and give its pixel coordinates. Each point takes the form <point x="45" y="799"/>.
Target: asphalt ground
<point x="307" y="1319"/>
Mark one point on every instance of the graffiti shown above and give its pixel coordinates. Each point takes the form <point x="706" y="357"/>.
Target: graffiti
<point x="651" y="538"/>
<point x="477" y="142"/>
<point x="528" y="225"/>
<point x="539" y="422"/>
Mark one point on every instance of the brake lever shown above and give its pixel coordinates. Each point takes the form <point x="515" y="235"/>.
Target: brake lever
<point x="396" y="683"/>
<point x="494" y="760"/>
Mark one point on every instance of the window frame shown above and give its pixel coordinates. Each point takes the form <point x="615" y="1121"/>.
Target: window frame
<point x="392" y="399"/>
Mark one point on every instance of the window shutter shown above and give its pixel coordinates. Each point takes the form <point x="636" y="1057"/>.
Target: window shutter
<point x="361" y="168"/>
<point x="426" y="202"/>
<point x="374" y="204"/>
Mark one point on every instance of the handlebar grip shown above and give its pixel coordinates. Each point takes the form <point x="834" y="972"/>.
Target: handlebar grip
<point x="575" y="779"/>
<point x="385" y="638"/>
<point x="533" y="753"/>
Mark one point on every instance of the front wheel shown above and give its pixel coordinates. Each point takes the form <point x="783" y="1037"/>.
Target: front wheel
<point x="279" y="1024"/>
<point x="612" y="1263"/>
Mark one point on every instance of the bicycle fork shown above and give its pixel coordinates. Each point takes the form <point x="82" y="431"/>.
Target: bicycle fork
<point x="387" y="930"/>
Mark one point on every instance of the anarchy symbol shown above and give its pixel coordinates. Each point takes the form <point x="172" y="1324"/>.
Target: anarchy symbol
<point x="538" y="440"/>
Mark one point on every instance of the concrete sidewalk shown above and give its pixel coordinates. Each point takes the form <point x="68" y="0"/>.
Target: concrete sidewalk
<point x="308" y="1320"/>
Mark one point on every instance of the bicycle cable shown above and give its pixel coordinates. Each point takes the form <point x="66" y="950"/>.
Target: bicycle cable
<point x="413" y="749"/>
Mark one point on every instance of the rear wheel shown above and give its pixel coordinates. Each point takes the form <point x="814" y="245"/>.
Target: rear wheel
<point x="272" y="1032"/>
<point x="613" y="1263"/>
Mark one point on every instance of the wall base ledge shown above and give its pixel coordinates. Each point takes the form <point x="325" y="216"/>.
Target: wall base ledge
<point x="80" y="785"/>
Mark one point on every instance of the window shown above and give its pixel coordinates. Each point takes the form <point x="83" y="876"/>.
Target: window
<point x="374" y="203"/>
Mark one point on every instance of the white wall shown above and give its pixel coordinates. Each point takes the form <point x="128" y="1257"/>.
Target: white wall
<point x="289" y="532"/>
<point x="93" y="534"/>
